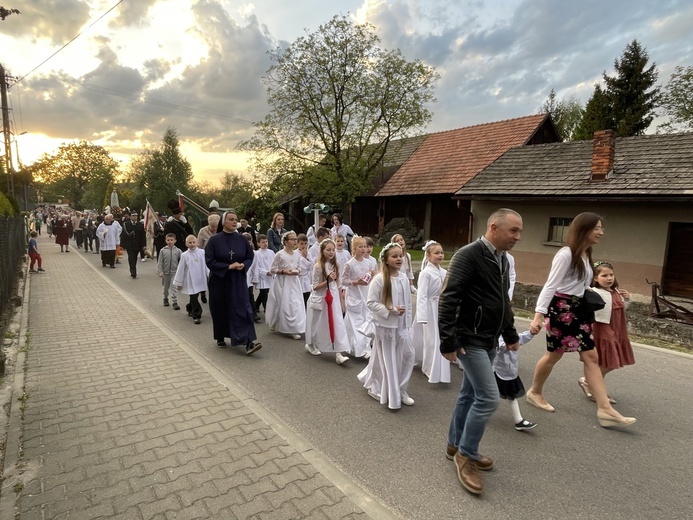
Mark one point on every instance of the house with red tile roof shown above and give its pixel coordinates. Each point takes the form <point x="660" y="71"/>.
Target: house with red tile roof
<point x="641" y="185"/>
<point x="423" y="185"/>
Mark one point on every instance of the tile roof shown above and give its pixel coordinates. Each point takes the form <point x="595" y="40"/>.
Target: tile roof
<point x="644" y="166"/>
<point x="445" y="161"/>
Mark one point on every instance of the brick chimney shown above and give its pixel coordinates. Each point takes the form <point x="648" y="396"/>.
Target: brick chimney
<point x="603" y="152"/>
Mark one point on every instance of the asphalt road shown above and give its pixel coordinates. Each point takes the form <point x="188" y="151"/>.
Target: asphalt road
<point x="568" y="467"/>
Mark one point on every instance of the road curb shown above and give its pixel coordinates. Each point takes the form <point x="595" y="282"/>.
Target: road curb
<point x="11" y="462"/>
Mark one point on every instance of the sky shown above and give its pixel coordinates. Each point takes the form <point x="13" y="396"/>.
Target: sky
<point x="197" y="66"/>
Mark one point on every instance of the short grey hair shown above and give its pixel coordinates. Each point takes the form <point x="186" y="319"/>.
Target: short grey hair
<point x="500" y="216"/>
<point x="213" y="219"/>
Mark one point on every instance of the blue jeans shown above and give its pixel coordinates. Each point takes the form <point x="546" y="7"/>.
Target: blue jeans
<point x="477" y="401"/>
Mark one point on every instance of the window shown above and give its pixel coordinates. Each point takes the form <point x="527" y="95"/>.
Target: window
<point x="558" y="229"/>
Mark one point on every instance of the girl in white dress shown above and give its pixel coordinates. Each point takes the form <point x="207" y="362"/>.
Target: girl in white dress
<point x="389" y="369"/>
<point x="356" y="277"/>
<point x="407" y="267"/>
<point x="426" y="338"/>
<point x="323" y="307"/>
<point x="283" y="312"/>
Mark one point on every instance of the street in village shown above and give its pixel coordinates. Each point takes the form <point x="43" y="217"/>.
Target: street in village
<point x="568" y="467"/>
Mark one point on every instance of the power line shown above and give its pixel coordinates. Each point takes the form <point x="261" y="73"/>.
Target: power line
<point x="68" y="43"/>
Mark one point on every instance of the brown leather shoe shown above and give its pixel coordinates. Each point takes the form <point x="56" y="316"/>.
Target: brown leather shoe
<point x="484" y="463"/>
<point x="468" y="474"/>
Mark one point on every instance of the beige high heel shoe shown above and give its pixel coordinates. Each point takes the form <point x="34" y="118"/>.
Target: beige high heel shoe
<point x="607" y="421"/>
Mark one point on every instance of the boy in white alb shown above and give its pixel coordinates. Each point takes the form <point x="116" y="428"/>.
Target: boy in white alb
<point x="263" y="277"/>
<point x="314" y="250"/>
<point x="191" y="276"/>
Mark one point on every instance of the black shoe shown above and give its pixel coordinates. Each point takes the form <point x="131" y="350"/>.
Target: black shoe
<point x="221" y="343"/>
<point x="41" y="270"/>
<point x="113" y="267"/>
<point x="33" y="271"/>
<point x="196" y="321"/>
<point x="257" y="319"/>
<point x="252" y="347"/>
<point x="134" y="275"/>
<point x="525" y="425"/>
<point x="67" y="250"/>
<point x="165" y="303"/>
<point x="203" y="298"/>
<point x="176" y="307"/>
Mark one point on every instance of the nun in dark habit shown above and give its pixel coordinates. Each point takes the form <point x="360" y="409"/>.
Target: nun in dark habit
<point x="229" y="256"/>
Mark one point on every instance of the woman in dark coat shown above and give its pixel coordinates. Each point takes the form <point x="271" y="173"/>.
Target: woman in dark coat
<point x="63" y="230"/>
<point x="229" y="256"/>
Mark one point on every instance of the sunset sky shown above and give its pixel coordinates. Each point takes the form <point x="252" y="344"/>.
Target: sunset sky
<point x="197" y="65"/>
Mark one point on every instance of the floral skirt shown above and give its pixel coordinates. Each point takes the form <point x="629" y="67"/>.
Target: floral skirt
<point x="567" y="327"/>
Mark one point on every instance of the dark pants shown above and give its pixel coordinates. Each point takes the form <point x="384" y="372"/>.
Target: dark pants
<point x="79" y="237"/>
<point x="306" y="295"/>
<point x="193" y="307"/>
<point x="108" y="257"/>
<point x="251" y="297"/>
<point x="261" y="299"/>
<point x="132" y="261"/>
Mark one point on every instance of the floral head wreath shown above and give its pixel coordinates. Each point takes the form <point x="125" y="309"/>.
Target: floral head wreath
<point x="601" y="263"/>
<point x="285" y="235"/>
<point x="385" y="249"/>
<point x="327" y="241"/>
<point x="429" y="244"/>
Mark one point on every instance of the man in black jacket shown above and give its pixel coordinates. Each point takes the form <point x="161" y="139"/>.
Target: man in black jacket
<point x="474" y="310"/>
<point x="133" y="239"/>
<point x="179" y="226"/>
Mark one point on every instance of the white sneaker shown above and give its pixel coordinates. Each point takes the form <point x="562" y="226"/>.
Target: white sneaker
<point x="296" y="336"/>
<point x="144" y="259"/>
<point x="407" y="400"/>
<point x="340" y="359"/>
<point x="311" y="349"/>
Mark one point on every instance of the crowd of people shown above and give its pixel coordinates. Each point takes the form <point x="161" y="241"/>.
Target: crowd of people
<point x="326" y="289"/>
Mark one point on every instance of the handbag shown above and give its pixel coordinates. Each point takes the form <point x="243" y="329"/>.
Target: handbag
<point x="315" y="301"/>
<point x="593" y="301"/>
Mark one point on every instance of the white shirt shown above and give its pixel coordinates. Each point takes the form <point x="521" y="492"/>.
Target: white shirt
<point x="563" y="280"/>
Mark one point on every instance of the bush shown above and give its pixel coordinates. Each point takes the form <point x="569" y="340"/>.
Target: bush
<point x="6" y="206"/>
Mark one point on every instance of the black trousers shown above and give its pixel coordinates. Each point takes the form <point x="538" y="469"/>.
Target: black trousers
<point x="194" y="307"/>
<point x="261" y="299"/>
<point x="132" y="260"/>
<point x="108" y="257"/>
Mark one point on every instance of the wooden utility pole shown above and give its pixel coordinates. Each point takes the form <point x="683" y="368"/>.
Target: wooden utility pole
<point x="6" y="131"/>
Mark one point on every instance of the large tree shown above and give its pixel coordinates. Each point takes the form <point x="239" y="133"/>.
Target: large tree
<point x="81" y="172"/>
<point x="158" y="172"/>
<point x="4" y="13"/>
<point x="632" y="91"/>
<point x="336" y="101"/>
<point x="566" y="114"/>
<point x="677" y="100"/>
<point x="628" y="100"/>
<point x="596" y="116"/>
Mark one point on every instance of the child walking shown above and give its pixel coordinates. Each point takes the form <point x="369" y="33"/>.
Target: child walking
<point x="610" y="328"/>
<point x="305" y="268"/>
<point x="356" y="277"/>
<point x="389" y="369"/>
<point x="283" y="313"/>
<point x="506" y="369"/>
<point x="407" y="267"/>
<point x="166" y="267"/>
<point x="426" y="336"/>
<point x="325" y="331"/>
<point x="263" y="272"/>
<point x="34" y="254"/>
<point x="191" y="276"/>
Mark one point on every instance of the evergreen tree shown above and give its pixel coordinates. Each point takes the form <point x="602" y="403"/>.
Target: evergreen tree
<point x="597" y="115"/>
<point x="632" y="92"/>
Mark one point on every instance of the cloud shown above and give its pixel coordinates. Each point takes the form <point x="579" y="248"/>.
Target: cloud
<point x="56" y="20"/>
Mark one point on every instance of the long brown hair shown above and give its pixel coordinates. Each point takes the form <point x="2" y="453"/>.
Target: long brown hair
<point x="579" y="230"/>
<point x="322" y="261"/>
<point x="386" y="297"/>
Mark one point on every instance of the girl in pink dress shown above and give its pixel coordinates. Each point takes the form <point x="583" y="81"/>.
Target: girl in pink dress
<point x="610" y="327"/>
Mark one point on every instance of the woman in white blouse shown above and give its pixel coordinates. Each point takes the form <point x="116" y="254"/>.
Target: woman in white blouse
<point x="569" y="323"/>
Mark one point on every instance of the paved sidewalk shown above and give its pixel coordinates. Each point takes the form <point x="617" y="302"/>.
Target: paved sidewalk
<point x="121" y="420"/>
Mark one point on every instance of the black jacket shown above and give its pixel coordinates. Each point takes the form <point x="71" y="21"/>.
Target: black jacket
<point x="133" y="237"/>
<point x="181" y="231"/>
<point x="474" y="307"/>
